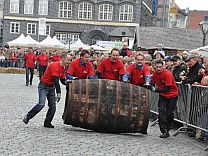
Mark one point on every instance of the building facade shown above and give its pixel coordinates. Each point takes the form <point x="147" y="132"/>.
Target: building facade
<point x="1" y="21"/>
<point x="89" y="20"/>
<point x="195" y="17"/>
<point x="169" y="15"/>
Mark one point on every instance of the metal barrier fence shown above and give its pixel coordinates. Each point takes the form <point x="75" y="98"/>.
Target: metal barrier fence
<point x="182" y="109"/>
<point x="199" y="108"/>
<point x="192" y="107"/>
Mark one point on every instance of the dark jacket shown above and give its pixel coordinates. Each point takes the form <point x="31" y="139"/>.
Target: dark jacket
<point x="178" y="70"/>
<point x="193" y="75"/>
<point x="124" y="52"/>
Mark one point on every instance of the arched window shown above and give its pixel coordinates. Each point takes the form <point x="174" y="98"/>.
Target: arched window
<point x="105" y="12"/>
<point x="126" y="13"/>
<point x="85" y="11"/>
<point x="65" y="9"/>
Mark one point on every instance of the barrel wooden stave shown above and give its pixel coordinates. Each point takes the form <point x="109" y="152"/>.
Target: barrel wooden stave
<point x="107" y="106"/>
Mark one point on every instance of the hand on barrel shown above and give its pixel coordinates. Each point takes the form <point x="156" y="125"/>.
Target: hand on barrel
<point x="147" y="85"/>
<point x="125" y="81"/>
<point x="58" y="97"/>
<point x="75" y="78"/>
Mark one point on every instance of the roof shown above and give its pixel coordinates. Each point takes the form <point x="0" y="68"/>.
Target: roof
<point x="170" y="38"/>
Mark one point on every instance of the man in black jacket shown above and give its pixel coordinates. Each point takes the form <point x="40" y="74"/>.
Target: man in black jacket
<point x="193" y="74"/>
<point x="179" y="69"/>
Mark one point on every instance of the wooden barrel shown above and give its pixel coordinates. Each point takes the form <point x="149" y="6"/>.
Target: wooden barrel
<point x="107" y="106"/>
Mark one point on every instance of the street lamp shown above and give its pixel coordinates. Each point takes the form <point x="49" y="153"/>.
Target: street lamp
<point x="204" y="28"/>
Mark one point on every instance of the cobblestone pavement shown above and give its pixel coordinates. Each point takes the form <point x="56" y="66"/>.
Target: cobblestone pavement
<point x="16" y="138"/>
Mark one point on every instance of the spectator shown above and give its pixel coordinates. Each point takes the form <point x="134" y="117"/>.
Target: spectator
<point x="2" y="60"/>
<point x="125" y="50"/>
<point x="125" y="62"/>
<point x="159" y="53"/>
<point x="179" y="68"/>
<point x="12" y="59"/>
<point x="168" y="63"/>
<point x="95" y="60"/>
<point x="185" y="56"/>
<point x="194" y="68"/>
<point x="133" y="55"/>
<point x="20" y="57"/>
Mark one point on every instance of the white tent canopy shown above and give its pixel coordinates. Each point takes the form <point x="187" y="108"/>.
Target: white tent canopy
<point x="47" y="42"/>
<point x="18" y="42"/>
<point x="30" y="42"/>
<point x="78" y="44"/>
<point x="202" y="51"/>
<point x="58" y="44"/>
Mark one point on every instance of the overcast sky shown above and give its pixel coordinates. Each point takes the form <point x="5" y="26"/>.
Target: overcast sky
<point x="193" y="4"/>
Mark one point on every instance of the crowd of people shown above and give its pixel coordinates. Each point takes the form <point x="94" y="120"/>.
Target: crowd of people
<point x="156" y="72"/>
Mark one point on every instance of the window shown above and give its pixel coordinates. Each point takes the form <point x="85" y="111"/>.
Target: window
<point x="65" y="9"/>
<point x="126" y="13"/>
<point x="105" y="12"/>
<point x="14" y="27"/>
<point x="28" y="6"/>
<point x="85" y="11"/>
<point x="14" y="6"/>
<point x="31" y="28"/>
<point x="43" y="7"/>
<point x="65" y="38"/>
<point x="48" y="29"/>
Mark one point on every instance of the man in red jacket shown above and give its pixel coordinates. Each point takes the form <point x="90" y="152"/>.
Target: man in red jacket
<point x="46" y="89"/>
<point x="138" y="72"/>
<point x="81" y="68"/>
<point x="168" y="96"/>
<point x="30" y="59"/>
<point x="56" y="57"/>
<point x="43" y="60"/>
<point x="111" y="68"/>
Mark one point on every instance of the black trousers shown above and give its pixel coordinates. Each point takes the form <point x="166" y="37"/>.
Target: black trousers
<point x="42" y="70"/>
<point x="31" y="72"/>
<point x="166" y="112"/>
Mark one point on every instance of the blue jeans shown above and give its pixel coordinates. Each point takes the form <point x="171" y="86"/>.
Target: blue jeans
<point x="44" y="92"/>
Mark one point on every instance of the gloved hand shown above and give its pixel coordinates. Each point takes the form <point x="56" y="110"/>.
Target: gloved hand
<point x="75" y="78"/>
<point x="68" y="81"/>
<point x="125" y="81"/>
<point x="58" y="97"/>
<point x="153" y="89"/>
<point x="147" y="85"/>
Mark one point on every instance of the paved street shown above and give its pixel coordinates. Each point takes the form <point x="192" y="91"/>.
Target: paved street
<point x="16" y="138"/>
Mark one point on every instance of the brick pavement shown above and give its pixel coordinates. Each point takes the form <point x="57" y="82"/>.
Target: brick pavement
<point x="16" y="138"/>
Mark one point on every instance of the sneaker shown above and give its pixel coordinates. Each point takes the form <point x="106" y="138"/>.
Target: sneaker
<point x="25" y="120"/>
<point x="30" y="83"/>
<point x="49" y="125"/>
<point x="165" y="135"/>
<point x="27" y="84"/>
